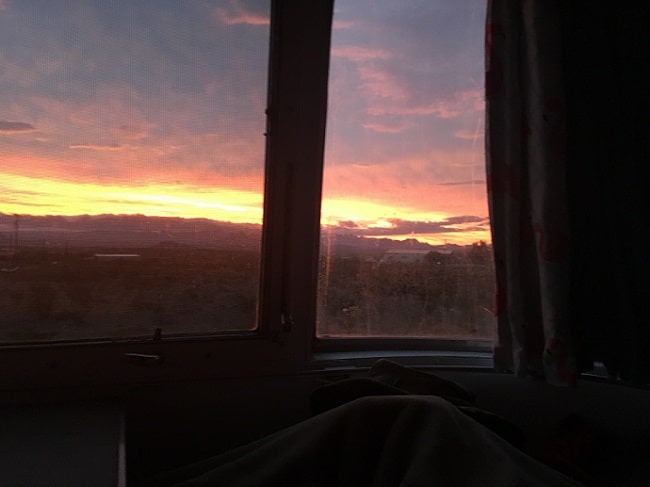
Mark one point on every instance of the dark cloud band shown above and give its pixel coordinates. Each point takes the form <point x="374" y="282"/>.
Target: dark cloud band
<point x="16" y="126"/>
<point x="452" y="224"/>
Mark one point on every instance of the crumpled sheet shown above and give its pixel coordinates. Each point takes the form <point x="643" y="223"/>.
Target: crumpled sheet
<point x="404" y="440"/>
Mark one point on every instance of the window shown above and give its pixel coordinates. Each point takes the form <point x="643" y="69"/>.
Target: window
<point x="132" y="168"/>
<point x="163" y="166"/>
<point x="405" y="247"/>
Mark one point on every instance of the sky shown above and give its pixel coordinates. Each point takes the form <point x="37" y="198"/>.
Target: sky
<point x="157" y="107"/>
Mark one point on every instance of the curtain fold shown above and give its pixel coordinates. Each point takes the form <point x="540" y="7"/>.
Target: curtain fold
<point x="526" y="172"/>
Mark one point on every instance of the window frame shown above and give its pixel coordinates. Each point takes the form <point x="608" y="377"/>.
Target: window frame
<point x="296" y="112"/>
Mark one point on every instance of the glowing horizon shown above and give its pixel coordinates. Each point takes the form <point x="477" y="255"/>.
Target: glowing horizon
<point x="235" y="206"/>
<point x="151" y="200"/>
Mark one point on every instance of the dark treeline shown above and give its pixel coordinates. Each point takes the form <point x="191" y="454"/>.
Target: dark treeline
<point x="439" y="294"/>
<point x="77" y="293"/>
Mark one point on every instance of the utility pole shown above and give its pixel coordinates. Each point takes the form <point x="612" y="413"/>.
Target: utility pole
<point x="16" y="225"/>
<point x="12" y="248"/>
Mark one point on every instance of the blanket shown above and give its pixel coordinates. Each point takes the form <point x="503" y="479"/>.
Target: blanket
<point x="401" y="440"/>
<point x="387" y="378"/>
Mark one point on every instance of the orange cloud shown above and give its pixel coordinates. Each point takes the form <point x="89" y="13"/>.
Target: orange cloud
<point x="152" y="164"/>
<point x="440" y="183"/>
<point x="445" y="238"/>
<point x="374" y="219"/>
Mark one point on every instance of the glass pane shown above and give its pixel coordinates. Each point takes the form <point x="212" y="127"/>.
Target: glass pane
<point x="405" y="248"/>
<point x="131" y="167"/>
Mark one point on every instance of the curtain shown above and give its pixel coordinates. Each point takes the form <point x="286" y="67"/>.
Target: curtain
<point x="526" y="172"/>
<point x="564" y="173"/>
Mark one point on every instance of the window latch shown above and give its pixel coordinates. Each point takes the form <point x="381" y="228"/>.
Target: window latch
<point x="286" y="326"/>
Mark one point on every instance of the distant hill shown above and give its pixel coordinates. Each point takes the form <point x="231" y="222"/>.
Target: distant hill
<point x="140" y="231"/>
<point x="343" y="242"/>
<point x="131" y="231"/>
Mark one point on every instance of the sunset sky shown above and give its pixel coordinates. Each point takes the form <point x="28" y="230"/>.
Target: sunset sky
<point x="157" y="107"/>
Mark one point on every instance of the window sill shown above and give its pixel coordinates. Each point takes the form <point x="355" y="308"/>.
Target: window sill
<point x="349" y="360"/>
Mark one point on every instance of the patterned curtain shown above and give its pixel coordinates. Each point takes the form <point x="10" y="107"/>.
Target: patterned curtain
<point x="527" y="188"/>
<point x="567" y="155"/>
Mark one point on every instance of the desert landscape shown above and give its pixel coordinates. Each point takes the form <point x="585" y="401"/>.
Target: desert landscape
<point x="112" y="277"/>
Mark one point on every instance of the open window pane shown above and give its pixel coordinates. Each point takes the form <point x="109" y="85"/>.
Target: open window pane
<point x="131" y="167"/>
<point x="405" y="247"/>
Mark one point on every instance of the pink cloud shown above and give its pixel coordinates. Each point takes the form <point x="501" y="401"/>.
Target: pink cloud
<point x="460" y="102"/>
<point x="359" y="54"/>
<point x="468" y="134"/>
<point x="343" y="24"/>
<point x="100" y="148"/>
<point x="29" y="164"/>
<point x="442" y="109"/>
<point x="236" y="14"/>
<point x="380" y="83"/>
<point x="3" y="6"/>
<point x="385" y="128"/>
<point x="472" y="98"/>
